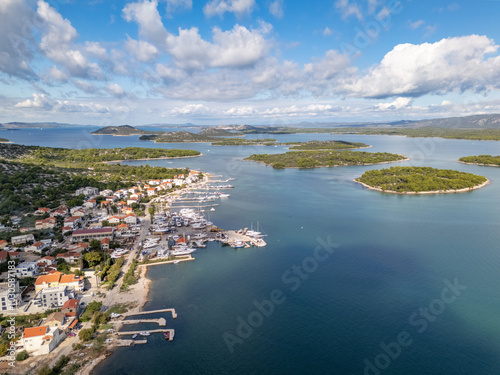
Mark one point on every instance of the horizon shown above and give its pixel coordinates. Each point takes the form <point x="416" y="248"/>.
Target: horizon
<point x="247" y="62"/>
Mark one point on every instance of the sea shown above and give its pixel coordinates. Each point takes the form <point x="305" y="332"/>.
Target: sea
<point x="352" y="281"/>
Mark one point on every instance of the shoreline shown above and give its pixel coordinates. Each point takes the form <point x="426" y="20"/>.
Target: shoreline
<point x="482" y="164"/>
<point x="464" y="190"/>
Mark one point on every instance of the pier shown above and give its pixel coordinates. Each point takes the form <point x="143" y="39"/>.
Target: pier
<point x="174" y="314"/>
<point x="161" y="321"/>
<point x="171" y="333"/>
<point x="167" y="261"/>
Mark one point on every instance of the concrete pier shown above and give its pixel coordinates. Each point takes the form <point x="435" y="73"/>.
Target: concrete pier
<point x="174" y="314"/>
<point x="161" y="321"/>
<point x="171" y="333"/>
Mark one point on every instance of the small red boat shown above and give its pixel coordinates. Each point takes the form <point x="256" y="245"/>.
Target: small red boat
<point x="166" y="335"/>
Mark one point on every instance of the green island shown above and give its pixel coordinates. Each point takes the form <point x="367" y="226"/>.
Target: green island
<point x="122" y="130"/>
<point x="3" y="140"/>
<point x="188" y="137"/>
<point x="325" y="145"/>
<point x="35" y="176"/>
<point x="420" y="180"/>
<point x="481" y="160"/>
<point x="313" y="159"/>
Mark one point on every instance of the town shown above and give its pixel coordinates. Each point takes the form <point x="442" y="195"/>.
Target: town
<point x="79" y="267"/>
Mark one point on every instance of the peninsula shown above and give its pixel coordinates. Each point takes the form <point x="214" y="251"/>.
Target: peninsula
<point x="420" y="180"/>
<point x="488" y="160"/>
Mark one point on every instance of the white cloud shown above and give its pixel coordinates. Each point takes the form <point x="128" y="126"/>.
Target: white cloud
<point x="191" y="110"/>
<point x="294" y="110"/>
<point x="57" y="44"/>
<point x="146" y="15"/>
<point x="396" y="104"/>
<point x="173" y="5"/>
<point x="95" y="49"/>
<point x="219" y="7"/>
<point x="57" y="74"/>
<point x="115" y="90"/>
<point x="452" y="64"/>
<point x="347" y="9"/>
<point x="38" y="101"/>
<point x="327" y="31"/>
<point x="16" y="39"/>
<point x="142" y="50"/>
<point x="240" y="111"/>
<point x="276" y="8"/>
<point x="86" y="87"/>
<point x="415" y="25"/>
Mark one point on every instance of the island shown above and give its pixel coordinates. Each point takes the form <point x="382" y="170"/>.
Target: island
<point x="313" y="159"/>
<point x="420" y="180"/>
<point x="488" y="160"/>
<point x="122" y="130"/>
<point x="3" y="140"/>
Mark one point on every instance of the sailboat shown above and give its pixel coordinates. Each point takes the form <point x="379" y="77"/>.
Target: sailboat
<point x="255" y="233"/>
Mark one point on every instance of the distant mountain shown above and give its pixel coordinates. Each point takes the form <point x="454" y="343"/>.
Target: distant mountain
<point x="468" y="122"/>
<point x="21" y="125"/>
<point x="122" y="130"/>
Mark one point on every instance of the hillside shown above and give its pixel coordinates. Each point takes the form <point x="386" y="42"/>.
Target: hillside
<point x="216" y="132"/>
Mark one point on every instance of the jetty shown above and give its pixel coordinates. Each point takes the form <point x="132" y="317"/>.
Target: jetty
<point x="174" y="314"/>
<point x="123" y="342"/>
<point x="161" y="321"/>
<point x="233" y="236"/>
<point x="167" y="261"/>
<point x="171" y="333"/>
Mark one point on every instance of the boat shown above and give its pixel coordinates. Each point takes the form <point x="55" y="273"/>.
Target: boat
<point x="183" y="250"/>
<point x="166" y="335"/>
<point x="144" y="333"/>
<point x="176" y="261"/>
<point x="134" y="335"/>
<point x="237" y="244"/>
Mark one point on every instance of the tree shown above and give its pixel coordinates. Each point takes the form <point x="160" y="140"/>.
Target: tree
<point x="21" y="356"/>
<point x="93" y="258"/>
<point x="95" y="245"/>
<point x="85" y="334"/>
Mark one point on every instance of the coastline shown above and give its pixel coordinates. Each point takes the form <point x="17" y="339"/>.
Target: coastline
<point x="482" y="164"/>
<point x="464" y="190"/>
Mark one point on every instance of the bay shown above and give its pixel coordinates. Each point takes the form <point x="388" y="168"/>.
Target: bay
<point x="392" y="256"/>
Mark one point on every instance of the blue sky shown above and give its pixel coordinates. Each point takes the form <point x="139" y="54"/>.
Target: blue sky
<point x="106" y="62"/>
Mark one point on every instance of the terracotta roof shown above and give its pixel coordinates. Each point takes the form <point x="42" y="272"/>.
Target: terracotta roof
<point x="47" y="257"/>
<point x="38" y="244"/>
<point x="50" y="278"/>
<point x="70" y="304"/>
<point x="2" y="242"/>
<point x="3" y="254"/>
<point x="73" y="324"/>
<point x="35" y="331"/>
<point x="69" y="278"/>
<point x="105" y="241"/>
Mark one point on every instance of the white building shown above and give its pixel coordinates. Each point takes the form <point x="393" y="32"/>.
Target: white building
<point x="87" y="191"/>
<point x="26" y="269"/>
<point x="54" y="297"/>
<point x="10" y="299"/>
<point x="19" y="240"/>
<point x="41" y="340"/>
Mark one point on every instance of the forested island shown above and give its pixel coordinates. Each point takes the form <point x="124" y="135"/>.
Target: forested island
<point x="122" y="130"/>
<point x="481" y="160"/>
<point x="420" y="180"/>
<point x="3" y="140"/>
<point x="313" y="159"/>
<point x="325" y="145"/>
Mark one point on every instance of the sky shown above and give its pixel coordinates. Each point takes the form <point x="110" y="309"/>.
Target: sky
<point x="276" y="62"/>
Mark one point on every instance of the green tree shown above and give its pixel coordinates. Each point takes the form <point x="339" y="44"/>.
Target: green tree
<point x="93" y="258"/>
<point x="21" y="356"/>
<point x="85" y="334"/>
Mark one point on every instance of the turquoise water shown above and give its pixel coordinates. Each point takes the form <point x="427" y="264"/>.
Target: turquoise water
<point x="391" y="257"/>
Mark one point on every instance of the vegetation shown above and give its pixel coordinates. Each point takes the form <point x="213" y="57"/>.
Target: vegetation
<point x="92" y="307"/>
<point x="312" y="159"/>
<point x="21" y="356"/>
<point x="482" y="160"/>
<point x="2" y="140"/>
<point x="114" y="272"/>
<point x="48" y="177"/>
<point x="419" y="179"/>
<point x="188" y="137"/>
<point x="59" y="367"/>
<point x="121" y="130"/>
<point x="130" y="278"/>
<point x="327" y="145"/>
<point x="244" y="142"/>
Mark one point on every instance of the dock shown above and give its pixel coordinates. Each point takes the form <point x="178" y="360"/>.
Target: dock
<point x="167" y="261"/>
<point x="123" y="342"/>
<point x="170" y="331"/>
<point x="161" y="321"/>
<point x="234" y="236"/>
<point x="174" y="314"/>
